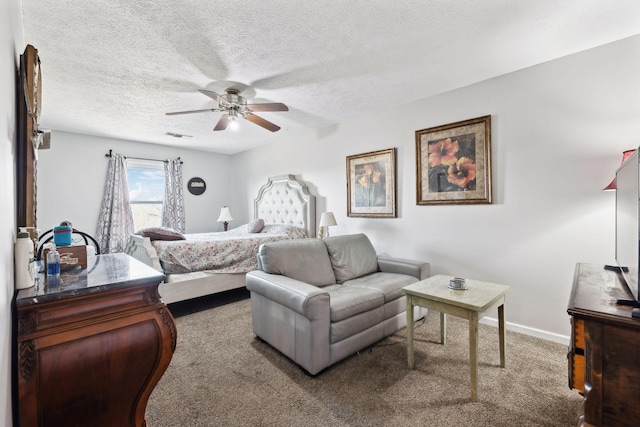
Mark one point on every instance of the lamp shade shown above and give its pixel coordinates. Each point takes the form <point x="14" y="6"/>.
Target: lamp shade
<point x="327" y="219"/>
<point x="625" y="155"/>
<point x="225" y="215"/>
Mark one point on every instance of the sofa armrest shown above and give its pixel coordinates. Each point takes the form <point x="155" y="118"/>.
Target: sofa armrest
<point x="418" y="269"/>
<point x="303" y="298"/>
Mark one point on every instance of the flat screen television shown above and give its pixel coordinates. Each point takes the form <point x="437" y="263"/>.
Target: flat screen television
<point x="628" y="224"/>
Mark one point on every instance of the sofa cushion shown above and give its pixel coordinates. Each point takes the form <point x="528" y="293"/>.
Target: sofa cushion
<point x="389" y="284"/>
<point x="352" y="326"/>
<point x="345" y="302"/>
<point x="351" y="256"/>
<point x="301" y="259"/>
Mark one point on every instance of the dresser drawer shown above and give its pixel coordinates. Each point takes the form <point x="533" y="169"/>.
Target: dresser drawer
<point x="576" y="355"/>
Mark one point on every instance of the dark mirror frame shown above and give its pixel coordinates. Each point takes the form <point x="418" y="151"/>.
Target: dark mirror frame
<point x="28" y="104"/>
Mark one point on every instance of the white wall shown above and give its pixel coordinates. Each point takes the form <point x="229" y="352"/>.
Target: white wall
<point x="558" y="132"/>
<point x="11" y="46"/>
<point x="72" y="174"/>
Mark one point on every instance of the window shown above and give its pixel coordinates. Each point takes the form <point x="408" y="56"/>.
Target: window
<point x="146" y="192"/>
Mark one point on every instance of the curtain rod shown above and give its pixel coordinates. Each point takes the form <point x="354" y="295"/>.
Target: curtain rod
<point x="110" y="154"/>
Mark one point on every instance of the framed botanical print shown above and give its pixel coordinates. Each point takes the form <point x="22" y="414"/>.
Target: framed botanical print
<point x="453" y="163"/>
<point x="371" y="184"/>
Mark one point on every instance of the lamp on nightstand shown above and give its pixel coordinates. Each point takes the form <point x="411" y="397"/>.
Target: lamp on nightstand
<point x="326" y="220"/>
<point x="225" y="217"/>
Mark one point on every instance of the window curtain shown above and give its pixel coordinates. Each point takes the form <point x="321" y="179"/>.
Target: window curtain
<point x="173" y="206"/>
<point x="115" y="223"/>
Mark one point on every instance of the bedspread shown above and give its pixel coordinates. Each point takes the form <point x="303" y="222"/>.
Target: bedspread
<point x="232" y="251"/>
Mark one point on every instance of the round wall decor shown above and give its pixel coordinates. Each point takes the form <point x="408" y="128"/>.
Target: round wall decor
<point x="196" y="186"/>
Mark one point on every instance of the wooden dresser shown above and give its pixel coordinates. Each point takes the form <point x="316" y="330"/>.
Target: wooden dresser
<point x="604" y="353"/>
<point x="92" y="345"/>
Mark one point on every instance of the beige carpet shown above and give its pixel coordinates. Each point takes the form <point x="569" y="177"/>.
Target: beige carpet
<point x="221" y="375"/>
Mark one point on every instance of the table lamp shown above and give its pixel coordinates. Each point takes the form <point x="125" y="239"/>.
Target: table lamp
<point x="225" y="217"/>
<point x="326" y="220"/>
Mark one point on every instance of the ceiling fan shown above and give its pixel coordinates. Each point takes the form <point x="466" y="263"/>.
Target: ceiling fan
<point x="235" y="105"/>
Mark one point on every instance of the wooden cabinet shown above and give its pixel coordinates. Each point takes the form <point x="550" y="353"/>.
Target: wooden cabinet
<point x="604" y="353"/>
<point x="92" y="345"/>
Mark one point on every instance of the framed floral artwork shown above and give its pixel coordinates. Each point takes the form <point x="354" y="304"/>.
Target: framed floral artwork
<point x="371" y="184"/>
<point x="453" y="163"/>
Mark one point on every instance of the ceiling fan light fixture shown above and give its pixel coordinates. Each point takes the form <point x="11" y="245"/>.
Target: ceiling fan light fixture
<point x="232" y="104"/>
<point x="232" y="115"/>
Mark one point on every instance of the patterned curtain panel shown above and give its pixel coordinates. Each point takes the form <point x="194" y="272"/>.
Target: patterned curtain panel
<point x="173" y="206"/>
<point x="115" y="223"/>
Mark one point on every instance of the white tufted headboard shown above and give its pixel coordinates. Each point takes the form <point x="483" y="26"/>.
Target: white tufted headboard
<point x="285" y="200"/>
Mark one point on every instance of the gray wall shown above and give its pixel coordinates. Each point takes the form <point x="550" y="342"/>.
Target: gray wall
<point x="559" y="130"/>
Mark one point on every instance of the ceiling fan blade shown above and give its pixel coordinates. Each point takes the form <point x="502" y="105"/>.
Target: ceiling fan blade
<point x="219" y="99"/>
<point x="262" y="122"/>
<point x="192" y="111"/>
<point x="269" y="106"/>
<point x="222" y="123"/>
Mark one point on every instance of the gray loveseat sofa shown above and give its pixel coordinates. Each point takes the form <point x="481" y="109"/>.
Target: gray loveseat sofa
<point x="320" y="301"/>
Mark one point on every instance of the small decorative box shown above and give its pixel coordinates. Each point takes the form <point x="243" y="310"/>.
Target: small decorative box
<point x="70" y="257"/>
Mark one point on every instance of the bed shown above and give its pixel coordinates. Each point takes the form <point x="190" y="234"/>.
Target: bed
<point x="209" y="263"/>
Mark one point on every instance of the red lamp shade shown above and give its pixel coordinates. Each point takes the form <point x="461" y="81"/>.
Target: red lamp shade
<point x="625" y="155"/>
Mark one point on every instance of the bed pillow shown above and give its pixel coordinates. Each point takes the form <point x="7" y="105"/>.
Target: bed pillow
<point x="161" y="233"/>
<point x="255" y="226"/>
<point x="291" y="231"/>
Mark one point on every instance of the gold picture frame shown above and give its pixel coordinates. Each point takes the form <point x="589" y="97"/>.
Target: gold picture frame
<point x="453" y="163"/>
<point x="371" y="184"/>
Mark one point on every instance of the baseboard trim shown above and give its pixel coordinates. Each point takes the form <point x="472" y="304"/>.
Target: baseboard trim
<point x="538" y="333"/>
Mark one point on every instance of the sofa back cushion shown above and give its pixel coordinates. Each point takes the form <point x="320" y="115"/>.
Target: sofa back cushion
<point x="352" y="256"/>
<point x="301" y="259"/>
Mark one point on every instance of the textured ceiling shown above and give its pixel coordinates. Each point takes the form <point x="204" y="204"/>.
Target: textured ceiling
<point x="114" y="67"/>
